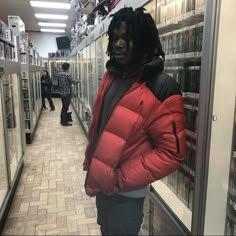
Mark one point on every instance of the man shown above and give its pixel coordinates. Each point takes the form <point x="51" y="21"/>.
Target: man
<point x="65" y="90"/>
<point x="46" y="85"/>
<point x="137" y="132"/>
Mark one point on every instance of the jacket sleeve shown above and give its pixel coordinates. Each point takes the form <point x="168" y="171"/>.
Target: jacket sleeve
<point x="167" y="135"/>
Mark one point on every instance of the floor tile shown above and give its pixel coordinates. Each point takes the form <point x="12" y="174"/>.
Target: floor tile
<point x="50" y="197"/>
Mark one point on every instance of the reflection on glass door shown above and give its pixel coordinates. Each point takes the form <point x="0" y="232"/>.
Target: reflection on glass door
<point x="32" y="89"/>
<point x="180" y="24"/>
<point x="3" y="165"/>
<point x="105" y="44"/>
<point x="231" y="207"/>
<point x="93" y="81"/>
<point x="13" y="113"/>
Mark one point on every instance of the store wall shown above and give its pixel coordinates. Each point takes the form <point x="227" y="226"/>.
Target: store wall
<point x="44" y="42"/>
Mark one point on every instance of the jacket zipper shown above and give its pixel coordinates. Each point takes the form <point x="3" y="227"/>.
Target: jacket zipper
<point x="176" y="136"/>
<point x="98" y="138"/>
<point x="127" y="92"/>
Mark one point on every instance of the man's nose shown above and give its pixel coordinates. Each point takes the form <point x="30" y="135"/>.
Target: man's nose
<point x="120" y="43"/>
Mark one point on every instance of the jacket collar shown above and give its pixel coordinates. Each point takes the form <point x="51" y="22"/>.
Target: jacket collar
<point x="149" y="69"/>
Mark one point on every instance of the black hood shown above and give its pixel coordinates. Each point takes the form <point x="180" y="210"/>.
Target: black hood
<point x="149" y="69"/>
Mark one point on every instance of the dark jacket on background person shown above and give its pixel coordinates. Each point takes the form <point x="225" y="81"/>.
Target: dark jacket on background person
<point x="141" y="137"/>
<point x="46" y="85"/>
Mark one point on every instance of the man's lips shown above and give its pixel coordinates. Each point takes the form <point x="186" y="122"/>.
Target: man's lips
<point x="118" y="53"/>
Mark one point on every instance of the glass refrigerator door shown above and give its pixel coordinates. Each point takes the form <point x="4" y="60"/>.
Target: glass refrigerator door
<point x="93" y="81"/>
<point x="3" y="164"/>
<point x="180" y="24"/>
<point x="13" y="121"/>
<point x="100" y="59"/>
<point x="105" y="44"/>
<point x="231" y="206"/>
<point x="39" y="91"/>
<point x="32" y="94"/>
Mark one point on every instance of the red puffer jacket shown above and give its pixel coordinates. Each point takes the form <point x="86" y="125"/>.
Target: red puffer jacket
<point x="143" y="141"/>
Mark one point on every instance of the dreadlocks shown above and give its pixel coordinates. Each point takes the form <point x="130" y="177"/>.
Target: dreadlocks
<point x="142" y="29"/>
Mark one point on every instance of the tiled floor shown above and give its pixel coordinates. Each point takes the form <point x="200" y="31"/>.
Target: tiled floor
<point x="50" y="197"/>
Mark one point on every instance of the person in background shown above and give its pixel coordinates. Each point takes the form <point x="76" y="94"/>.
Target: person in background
<point x="65" y="82"/>
<point x="137" y="133"/>
<point x="46" y="85"/>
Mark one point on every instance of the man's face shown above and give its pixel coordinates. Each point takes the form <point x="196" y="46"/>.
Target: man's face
<point x="123" y="45"/>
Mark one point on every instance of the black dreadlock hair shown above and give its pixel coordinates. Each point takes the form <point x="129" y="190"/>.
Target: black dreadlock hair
<point x="142" y="29"/>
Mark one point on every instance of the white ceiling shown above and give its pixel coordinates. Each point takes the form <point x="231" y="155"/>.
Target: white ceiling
<point x="23" y="9"/>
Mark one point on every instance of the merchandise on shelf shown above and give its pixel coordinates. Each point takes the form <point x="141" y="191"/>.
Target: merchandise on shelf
<point x="7" y="43"/>
<point x="231" y="207"/>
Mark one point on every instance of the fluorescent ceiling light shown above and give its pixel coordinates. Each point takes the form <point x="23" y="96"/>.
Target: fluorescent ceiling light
<point x="56" y="5"/>
<point x="52" y="24"/>
<point x="53" y="30"/>
<point x="51" y="16"/>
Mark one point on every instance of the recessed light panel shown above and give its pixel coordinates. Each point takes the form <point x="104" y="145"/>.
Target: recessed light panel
<point x="53" y="30"/>
<point x="52" y="16"/>
<point x="56" y="5"/>
<point x="52" y="24"/>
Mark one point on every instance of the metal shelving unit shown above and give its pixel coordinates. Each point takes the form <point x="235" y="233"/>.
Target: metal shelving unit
<point x="12" y="141"/>
<point x="31" y="83"/>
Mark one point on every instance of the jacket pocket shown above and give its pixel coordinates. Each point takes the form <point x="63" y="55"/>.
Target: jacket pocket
<point x="176" y="136"/>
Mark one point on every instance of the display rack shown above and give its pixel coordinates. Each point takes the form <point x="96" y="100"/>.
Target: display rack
<point x="180" y="25"/>
<point x="31" y="68"/>
<point x="31" y="86"/>
<point x="12" y="141"/>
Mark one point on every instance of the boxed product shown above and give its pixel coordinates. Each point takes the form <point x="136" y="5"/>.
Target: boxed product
<point x="200" y="5"/>
<point x="170" y="10"/>
<point x="178" y="8"/>
<point x="2" y="50"/>
<point x="189" y="5"/>
<point x="17" y="25"/>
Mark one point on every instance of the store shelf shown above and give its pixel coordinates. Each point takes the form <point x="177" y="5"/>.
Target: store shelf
<point x="34" y="68"/>
<point x="184" y="56"/>
<point x="10" y="67"/>
<point x="191" y="107"/>
<point x="176" y="205"/>
<point x="176" y="68"/>
<point x="24" y="67"/>
<point x="188" y="19"/>
<point x="7" y="42"/>
<point x="190" y="95"/>
<point x="197" y="25"/>
<point x="187" y="169"/>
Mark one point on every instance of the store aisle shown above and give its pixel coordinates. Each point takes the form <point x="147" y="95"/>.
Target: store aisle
<point x="50" y="198"/>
